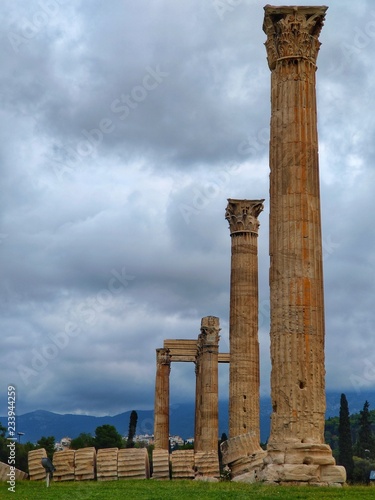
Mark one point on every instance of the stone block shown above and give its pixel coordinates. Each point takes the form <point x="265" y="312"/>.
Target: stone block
<point x="133" y="463"/>
<point x="289" y="473"/>
<point x="248" y="477"/>
<point x="160" y="464"/>
<point x="36" y="470"/>
<point x="85" y="464"/>
<point x="276" y="457"/>
<point x="333" y="474"/>
<point x="106" y="464"/>
<point x="4" y="470"/>
<point x="310" y="454"/>
<point x="183" y="464"/>
<point x="207" y="464"/>
<point x="300" y="472"/>
<point x="64" y="463"/>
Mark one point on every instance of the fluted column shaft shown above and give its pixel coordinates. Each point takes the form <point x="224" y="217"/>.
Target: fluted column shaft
<point x="207" y="399"/>
<point x="198" y="399"/>
<point x="243" y="329"/>
<point x="161" y="405"/>
<point x="296" y="272"/>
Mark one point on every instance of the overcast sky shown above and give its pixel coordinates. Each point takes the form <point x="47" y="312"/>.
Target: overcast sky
<point x="125" y="126"/>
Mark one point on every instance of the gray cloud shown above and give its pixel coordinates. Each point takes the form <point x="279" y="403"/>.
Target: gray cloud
<point x="124" y="130"/>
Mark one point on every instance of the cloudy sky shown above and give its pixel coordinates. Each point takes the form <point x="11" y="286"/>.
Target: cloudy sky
<point x="125" y="126"/>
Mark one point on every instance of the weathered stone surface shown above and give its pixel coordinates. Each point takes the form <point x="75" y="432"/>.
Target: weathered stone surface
<point x="290" y="473"/>
<point x="36" y="470"/>
<point x="133" y="463"/>
<point x="160" y="464"/>
<point x="242" y="216"/>
<point x="245" y="445"/>
<point x="64" y="463"/>
<point x="247" y="477"/>
<point x="206" y="401"/>
<point x="85" y="464"/>
<point x="296" y="271"/>
<point x="183" y="464"/>
<point x="333" y="474"/>
<point x="296" y="449"/>
<point x="106" y="464"/>
<point x="5" y="469"/>
<point x="161" y="405"/>
<point x="207" y="464"/>
<point x="320" y="454"/>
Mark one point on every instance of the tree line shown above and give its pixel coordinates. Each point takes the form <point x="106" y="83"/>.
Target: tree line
<point x="352" y="440"/>
<point x="106" y="436"/>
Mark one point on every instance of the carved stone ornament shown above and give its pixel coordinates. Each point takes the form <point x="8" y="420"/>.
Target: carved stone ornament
<point x="242" y="215"/>
<point x="209" y="331"/>
<point x="163" y="357"/>
<point x="292" y="32"/>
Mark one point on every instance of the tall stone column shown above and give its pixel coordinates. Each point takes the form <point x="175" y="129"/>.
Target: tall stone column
<point x="207" y="399"/>
<point x="198" y="398"/>
<point x="161" y="405"/>
<point x="207" y="386"/>
<point x="244" y="433"/>
<point x="296" y="270"/>
<point x="243" y="323"/>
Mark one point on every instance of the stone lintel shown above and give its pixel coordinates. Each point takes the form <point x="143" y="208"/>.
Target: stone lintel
<point x="242" y="215"/>
<point x="185" y="351"/>
<point x="224" y="357"/>
<point x="293" y="32"/>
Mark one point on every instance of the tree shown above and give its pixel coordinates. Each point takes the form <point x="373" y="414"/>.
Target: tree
<point x="84" y="440"/>
<point x="106" y="436"/>
<point x="3" y="430"/>
<point x="345" y="457"/>
<point x="48" y="443"/>
<point x="132" y="429"/>
<point x="365" y="445"/>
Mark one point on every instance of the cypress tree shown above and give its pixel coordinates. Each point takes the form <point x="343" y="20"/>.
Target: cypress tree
<point x="365" y="445"/>
<point x="345" y="457"/>
<point x="132" y="428"/>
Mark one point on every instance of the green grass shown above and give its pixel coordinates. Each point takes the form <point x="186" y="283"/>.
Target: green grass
<point x="176" y="490"/>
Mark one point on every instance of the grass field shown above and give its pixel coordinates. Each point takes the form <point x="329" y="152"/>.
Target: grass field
<point x="176" y="490"/>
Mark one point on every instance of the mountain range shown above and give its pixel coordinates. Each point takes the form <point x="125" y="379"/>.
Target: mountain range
<point x="40" y="423"/>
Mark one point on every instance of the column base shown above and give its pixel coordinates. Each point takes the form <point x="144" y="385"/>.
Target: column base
<point x="243" y="454"/>
<point x="292" y="463"/>
<point x="206" y="464"/>
<point x="301" y="463"/>
<point x="160" y="464"/>
<point x="183" y="464"/>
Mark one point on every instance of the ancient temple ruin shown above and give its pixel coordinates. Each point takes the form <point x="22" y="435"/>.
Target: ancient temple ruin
<point x="296" y="445"/>
<point x="296" y="452"/>
<point x="244" y="379"/>
<point x="204" y="352"/>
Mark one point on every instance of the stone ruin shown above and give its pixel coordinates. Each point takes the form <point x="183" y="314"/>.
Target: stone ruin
<point x="87" y="464"/>
<point x="203" y="461"/>
<point x="296" y="452"/>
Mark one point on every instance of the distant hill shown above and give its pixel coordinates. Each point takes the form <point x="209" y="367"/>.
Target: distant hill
<point x="44" y="423"/>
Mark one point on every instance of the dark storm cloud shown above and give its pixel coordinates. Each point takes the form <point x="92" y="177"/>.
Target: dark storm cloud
<point x="125" y="127"/>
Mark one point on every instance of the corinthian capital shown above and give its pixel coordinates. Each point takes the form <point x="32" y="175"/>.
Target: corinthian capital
<point x="163" y="357"/>
<point x="210" y="328"/>
<point x="292" y="32"/>
<point x="242" y="215"/>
